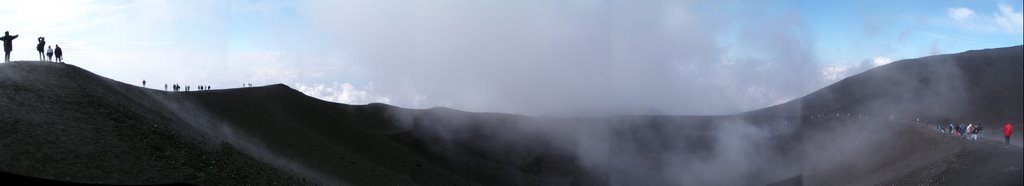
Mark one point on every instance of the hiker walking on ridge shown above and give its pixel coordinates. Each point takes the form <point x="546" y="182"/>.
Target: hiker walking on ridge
<point x="39" y="47"/>
<point x="1007" y="132"/>
<point x="8" y="38"/>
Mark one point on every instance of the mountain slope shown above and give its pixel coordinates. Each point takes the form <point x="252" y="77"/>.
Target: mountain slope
<point x="981" y="85"/>
<point x="61" y="122"/>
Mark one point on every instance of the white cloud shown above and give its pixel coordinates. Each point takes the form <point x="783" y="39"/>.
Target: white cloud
<point x="342" y="93"/>
<point x="961" y="14"/>
<point x="1009" y="19"/>
<point x="834" y="72"/>
<point x="881" y="60"/>
<point x="537" y="57"/>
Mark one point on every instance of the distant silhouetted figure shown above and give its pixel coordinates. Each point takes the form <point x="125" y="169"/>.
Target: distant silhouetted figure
<point x="7" y="45"/>
<point x="165" y="86"/>
<point x="207" y="87"/>
<point x="49" y="53"/>
<point x="143" y="83"/>
<point x="39" y="47"/>
<point x="59" y="54"/>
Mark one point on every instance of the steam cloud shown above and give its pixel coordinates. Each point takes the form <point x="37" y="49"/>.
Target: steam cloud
<point x="576" y="57"/>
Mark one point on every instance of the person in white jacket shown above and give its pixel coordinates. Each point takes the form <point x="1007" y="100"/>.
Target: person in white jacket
<point x="49" y="53"/>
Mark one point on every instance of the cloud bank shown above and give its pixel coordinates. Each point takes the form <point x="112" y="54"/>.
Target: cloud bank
<point x="539" y="57"/>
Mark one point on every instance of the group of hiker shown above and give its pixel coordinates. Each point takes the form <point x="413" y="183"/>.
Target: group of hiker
<point x="50" y="52"/>
<point x="968" y="131"/>
<point x="186" y="88"/>
<point x="972" y="131"/>
<point x="8" y="39"/>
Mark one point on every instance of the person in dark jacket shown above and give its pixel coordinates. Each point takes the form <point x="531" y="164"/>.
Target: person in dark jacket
<point x="40" y="47"/>
<point x="59" y="54"/>
<point x="8" y="38"/>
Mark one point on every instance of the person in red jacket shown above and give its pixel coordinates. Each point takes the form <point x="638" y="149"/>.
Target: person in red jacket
<point x="1007" y="131"/>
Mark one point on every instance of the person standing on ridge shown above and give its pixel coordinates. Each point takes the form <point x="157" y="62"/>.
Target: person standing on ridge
<point x="39" y="47"/>
<point x="59" y="54"/>
<point x="8" y="38"/>
<point x="143" y="83"/>
<point x="49" y="53"/>
<point x="1007" y="131"/>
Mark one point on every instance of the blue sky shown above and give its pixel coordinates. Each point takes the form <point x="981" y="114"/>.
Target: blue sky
<point x="529" y="56"/>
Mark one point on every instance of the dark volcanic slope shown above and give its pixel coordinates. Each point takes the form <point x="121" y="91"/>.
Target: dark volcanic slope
<point x="64" y="123"/>
<point x="334" y="143"/>
<point x="974" y="86"/>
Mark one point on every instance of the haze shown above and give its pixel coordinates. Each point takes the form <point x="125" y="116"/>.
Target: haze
<point x="527" y="57"/>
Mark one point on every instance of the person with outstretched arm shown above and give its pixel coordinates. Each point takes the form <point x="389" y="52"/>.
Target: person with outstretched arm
<point x="7" y="38"/>
<point x="40" y="47"/>
<point x="1007" y="131"/>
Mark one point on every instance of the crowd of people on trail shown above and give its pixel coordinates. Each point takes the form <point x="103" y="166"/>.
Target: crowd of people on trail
<point x="8" y="40"/>
<point x="178" y="88"/>
<point x="973" y="131"/>
<point x="175" y="87"/>
<point x="186" y="88"/>
<point x="964" y="130"/>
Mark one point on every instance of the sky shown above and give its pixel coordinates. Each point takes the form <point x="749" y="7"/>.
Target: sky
<point x="535" y="57"/>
